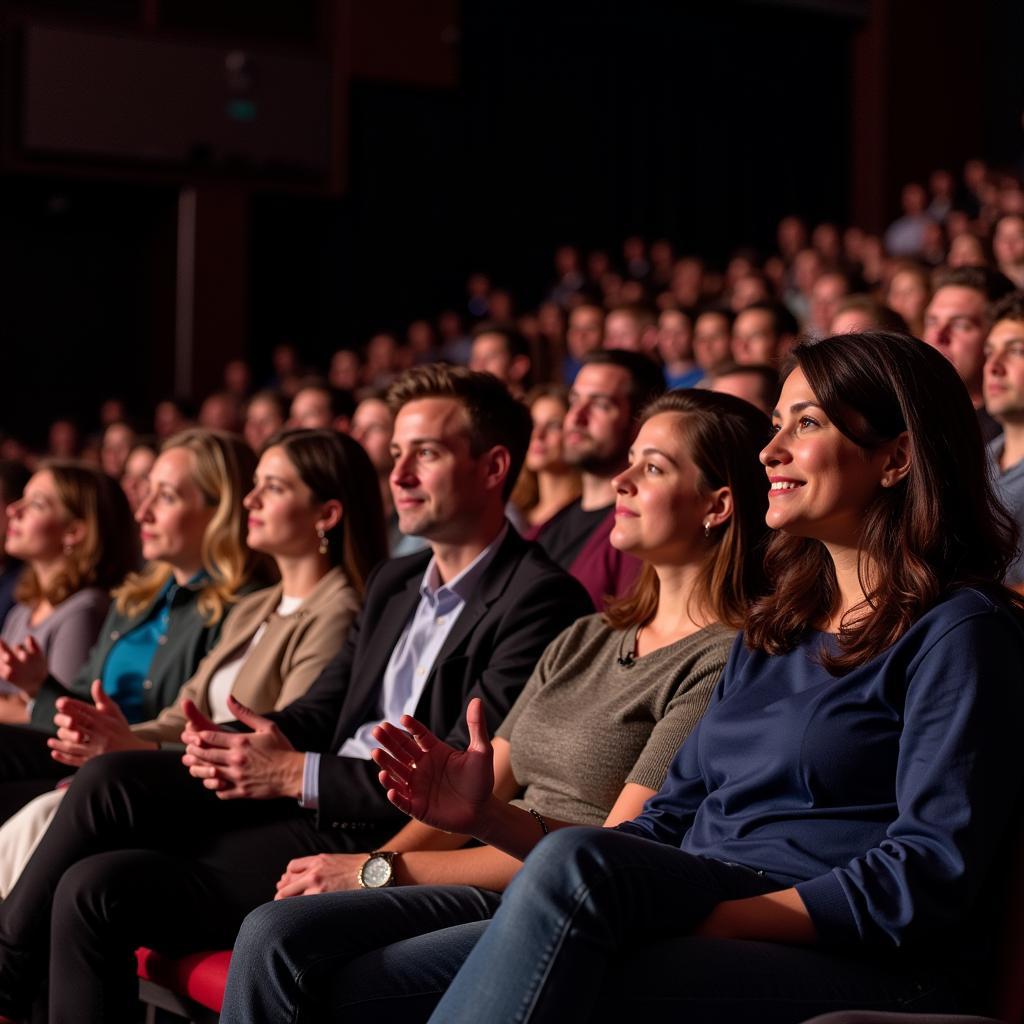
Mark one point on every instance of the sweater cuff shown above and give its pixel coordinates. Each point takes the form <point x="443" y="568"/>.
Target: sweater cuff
<point x="830" y="910"/>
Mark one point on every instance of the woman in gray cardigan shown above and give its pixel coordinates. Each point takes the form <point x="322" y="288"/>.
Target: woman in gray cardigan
<point x="312" y="509"/>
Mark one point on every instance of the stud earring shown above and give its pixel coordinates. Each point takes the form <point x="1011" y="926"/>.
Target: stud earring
<point x="324" y="546"/>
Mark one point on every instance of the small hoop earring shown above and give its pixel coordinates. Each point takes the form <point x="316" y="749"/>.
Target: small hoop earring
<point x="324" y="545"/>
<point x="707" y="527"/>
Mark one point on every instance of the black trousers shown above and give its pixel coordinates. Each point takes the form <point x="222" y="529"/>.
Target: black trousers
<point x="140" y="853"/>
<point x="26" y="768"/>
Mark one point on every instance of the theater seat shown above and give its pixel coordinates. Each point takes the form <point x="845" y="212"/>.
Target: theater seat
<point x="192" y="986"/>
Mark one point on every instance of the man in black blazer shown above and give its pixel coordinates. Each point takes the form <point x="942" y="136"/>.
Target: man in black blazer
<point x="145" y="852"/>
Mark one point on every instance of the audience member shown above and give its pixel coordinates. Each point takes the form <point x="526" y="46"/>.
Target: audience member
<point x="169" y="418"/>
<point x="828" y="291"/>
<point x="1008" y="247"/>
<point x="1004" y="402"/>
<point x="956" y="323"/>
<point x="607" y="396"/>
<point x="345" y="370"/>
<point x="265" y="415"/>
<point x="238" y="380"/>
<point x="842" y="818"/>
<point x="135" y="478"/>
<point x="318" y="406"/>
<point x="617" y="693"/>
<point x="675" y="346"/>
<point x="221" y="411"/>
<point x="503" y="352"/>
<point x="585" y="334"/>
<point x="712" y="339"/>
<point x="632" y="328"/>
<point x="458" y="444"/>
<point x="756" y="383"/>
<point x="967" y="250"/>
<point x="763" y="334"/>
<point x="118" y="441"/>
<point x="63" y="441"/>
<point x="908" y="294"/>
<point x="72" y="528"/>
<point x="905" y="235"/>
<point x="13" y="477"/>
<point x="547" y="483"/>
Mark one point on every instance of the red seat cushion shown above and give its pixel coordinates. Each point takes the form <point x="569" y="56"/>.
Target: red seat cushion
<point x="200" y="976"/>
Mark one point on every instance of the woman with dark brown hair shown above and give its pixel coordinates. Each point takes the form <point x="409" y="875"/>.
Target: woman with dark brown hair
<point x="837" y="831"/>
<point x="592" y="734"/>
<point x="73" y="529"/>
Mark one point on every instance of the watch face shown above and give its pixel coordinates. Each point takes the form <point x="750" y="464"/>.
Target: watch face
<point x="376" y="872"/>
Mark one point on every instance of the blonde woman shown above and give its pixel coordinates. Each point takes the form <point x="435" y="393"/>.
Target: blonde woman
<point x="164" y="619"/>
<point x="72" y="529"/>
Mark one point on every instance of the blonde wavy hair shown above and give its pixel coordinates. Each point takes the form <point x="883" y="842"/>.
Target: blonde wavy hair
<point x="223" y="472"/>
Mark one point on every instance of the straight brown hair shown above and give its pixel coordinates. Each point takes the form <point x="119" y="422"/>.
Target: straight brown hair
<point x="723" y="436"/>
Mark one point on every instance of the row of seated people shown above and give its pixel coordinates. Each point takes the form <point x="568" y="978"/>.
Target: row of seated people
<point x="845" y="802"/>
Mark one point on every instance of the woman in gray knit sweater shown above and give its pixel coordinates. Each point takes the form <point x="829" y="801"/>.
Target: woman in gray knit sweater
<point x="615" y="693"/>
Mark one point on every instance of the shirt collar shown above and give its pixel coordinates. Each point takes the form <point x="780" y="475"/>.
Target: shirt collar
<point x="465" y="583"/>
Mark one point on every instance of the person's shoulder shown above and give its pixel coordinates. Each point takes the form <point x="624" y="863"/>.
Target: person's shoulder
<point x="393" y="572"/>
<point x="86" y="599"/>
<point x="529" y="567"/>
<point x="970" y="608"/>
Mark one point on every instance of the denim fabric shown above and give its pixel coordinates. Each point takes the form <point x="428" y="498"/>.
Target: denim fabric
<point x="595" y="927"/>
<point x="345" y="955"/>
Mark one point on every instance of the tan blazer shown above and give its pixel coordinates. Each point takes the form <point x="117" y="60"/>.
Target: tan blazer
<point x="290" y="655"/>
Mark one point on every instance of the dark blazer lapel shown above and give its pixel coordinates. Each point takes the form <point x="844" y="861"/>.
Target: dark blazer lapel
<point x="492" y="585"/>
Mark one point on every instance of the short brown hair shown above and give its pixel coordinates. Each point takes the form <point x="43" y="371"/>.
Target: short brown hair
<point x="496" y="419"/>
<point x="723" y="436"/>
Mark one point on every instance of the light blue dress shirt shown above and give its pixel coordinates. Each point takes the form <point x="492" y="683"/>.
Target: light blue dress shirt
<point x="412" y="659"/>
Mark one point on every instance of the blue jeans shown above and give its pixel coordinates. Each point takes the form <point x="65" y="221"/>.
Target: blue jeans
<point x="380" y="955"/>
<point x="595" y="927"/>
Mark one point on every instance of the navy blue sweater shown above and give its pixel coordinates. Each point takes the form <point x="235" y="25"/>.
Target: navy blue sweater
<point x="885" y="795"/>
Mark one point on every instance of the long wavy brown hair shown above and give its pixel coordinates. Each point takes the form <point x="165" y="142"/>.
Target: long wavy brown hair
<point x="723" y="436"/>
<point x="939" y="528"/>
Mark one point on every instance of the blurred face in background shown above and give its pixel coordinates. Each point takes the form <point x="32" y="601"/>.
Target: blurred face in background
<point x="118" y="440"/>
<point x="956" y="324"/>
<point x="372" y="425"/>
<point x="135" y="479"/>
<point x="545" y="451"/>
<point x="908" y="295"/>
<point x="585" y="332"/>
<point x="263" y="419"/>
<point x="711" y="342"/>
<point x="675" y="337"/>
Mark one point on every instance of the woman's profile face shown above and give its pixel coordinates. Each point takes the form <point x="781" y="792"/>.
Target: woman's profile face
<point x="545" y="451"/>
<point x="173" y="515"/>
<point x="38" y="522"/>
<point x="820" y="482"/>
<point x="283" y="513"/>
<point x="659" y="513"/>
